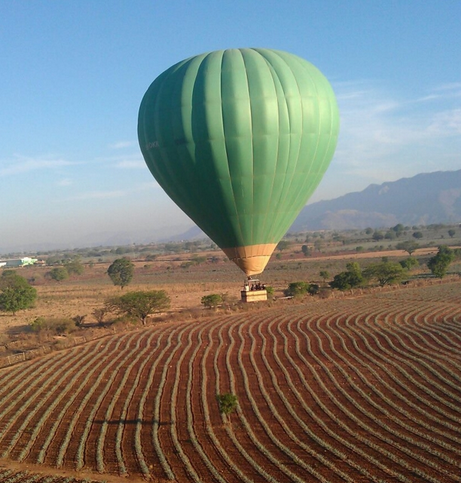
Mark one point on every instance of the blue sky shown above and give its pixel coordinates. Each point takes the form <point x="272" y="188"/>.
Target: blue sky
<point x="74" y="73"/>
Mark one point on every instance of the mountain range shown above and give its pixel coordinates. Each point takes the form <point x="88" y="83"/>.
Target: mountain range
<point x="424" y="199"/>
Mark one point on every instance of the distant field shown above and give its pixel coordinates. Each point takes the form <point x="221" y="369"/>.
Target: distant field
<point x="80" y="295"/>
<point x="354" y="389"/>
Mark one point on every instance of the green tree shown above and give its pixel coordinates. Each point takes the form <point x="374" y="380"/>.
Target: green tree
<point x="398" y="229"/>
<point x="305" y="249"/>
<point x="227" y="403"/>
<point x="74" y="266"/>
<point x="390" y="235"/>
<point x="212" y="301"/>
<point x="409" y="263"/>
<point x="418" y="235"/>
<point x="59" y="274"/>
<point x="283" y="245"/>
<point x="15" y="293"/>
<point x="451" y="233"/>
<point x="377" y="235"/>
<point x="351" y="278"/>
<point x="386" y="273"/>
<point x="439" y="264"/>
<point x="408" y="246"/>
<point x="139" y="304"/>
<point x="297" y="289"/>
<point x="121" y="272"/>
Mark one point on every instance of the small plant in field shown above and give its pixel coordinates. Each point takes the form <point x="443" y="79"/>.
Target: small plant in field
<point x="227" y="403"/>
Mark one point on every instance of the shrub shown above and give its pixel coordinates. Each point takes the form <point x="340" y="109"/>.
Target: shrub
<point x="59" y="274"/>
<point x="438" y="264"/>
<point x="74" y="266"/>
<point x="61" y="325"/>
<point x="270" y="291"/>
<point x="212" y="301"/>
<point x="227" y="403"/>
<point x="15" y="292"/>
<point x="351" y="278"/>
<point x="409" y="263"/>
<point x="297" y="289"/>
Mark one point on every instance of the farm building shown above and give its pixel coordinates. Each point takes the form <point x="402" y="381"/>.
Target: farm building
<point x="18" y="262"/>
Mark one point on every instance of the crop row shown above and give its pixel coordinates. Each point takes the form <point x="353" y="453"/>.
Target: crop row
<point x="343" y="390"/>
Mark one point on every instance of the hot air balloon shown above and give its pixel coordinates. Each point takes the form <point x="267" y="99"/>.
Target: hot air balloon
<point x="240" y="139"/>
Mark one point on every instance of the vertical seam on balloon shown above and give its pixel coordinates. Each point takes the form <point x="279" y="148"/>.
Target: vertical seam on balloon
<point x="314" y="185"/>
<point x="227" y="152"/>
<point x="272" y="72"/>
<point x="184" y="196"/>
<point x="252" y="149"/>
<point x="286" y="187"/>
<point x="228" y="230"/>
<point x="294" y="200"/>
<point x="302" y="135"/>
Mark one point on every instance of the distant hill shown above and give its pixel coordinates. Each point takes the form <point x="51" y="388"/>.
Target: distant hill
<point x="421" y="200"/>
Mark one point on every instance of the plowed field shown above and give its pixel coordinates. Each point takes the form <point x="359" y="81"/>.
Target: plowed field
<point x="355" y="390"/>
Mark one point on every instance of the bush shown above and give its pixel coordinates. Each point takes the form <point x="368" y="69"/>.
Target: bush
<point x="351" y="278"/>
<point x="270" y="291"/>
<point x="15" y="292"/>
<point x="438" y="264"/>
<point x="74" y="266"/>
<point x="297" y="289"/>
<point x="59" y="274"/>
<point x="409" y="263"/>
<point x="212" y="301"/>
<point x="52" y="325"/>
<point x="227" y="403"/>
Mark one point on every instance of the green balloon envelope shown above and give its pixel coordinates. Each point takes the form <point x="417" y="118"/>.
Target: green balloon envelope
<point x="240" y="139"/>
